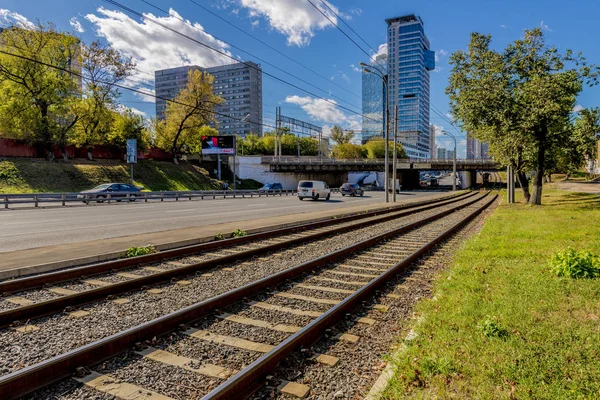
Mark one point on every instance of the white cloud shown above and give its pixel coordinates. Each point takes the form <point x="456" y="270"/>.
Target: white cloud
<point x="319" y="109"/>
<point x="76" y="25"/>
<point x="355" y="68"/>
<point x="439" y="54"/>
<point x="296" y="19"/>
<point x="153" y="47"/>
<point x="503" y="26"/>
<point x="450" y="116"/>
<point x="255" y="24"/>
<point x="545" y="27"/>
<point x="382" y="49"/>
<point x="577" y="108"/>
<point x="122" y="108"/>
<point x="10" y="18"/>
<point x="437" y="69"/>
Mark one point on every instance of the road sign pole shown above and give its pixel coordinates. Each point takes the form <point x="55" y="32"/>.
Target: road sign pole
<point x="131" y="172"/>
<point x="219" y="166"/>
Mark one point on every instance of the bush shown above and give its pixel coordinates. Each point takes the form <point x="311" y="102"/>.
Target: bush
<point x="491" y="328"/>
<point x="238" y="233"/>
<point x="219" y="236"/>
<point x="140" y="251"/>
<point x="575" y="264"/>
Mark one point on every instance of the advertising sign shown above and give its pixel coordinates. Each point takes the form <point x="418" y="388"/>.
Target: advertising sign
<point x="131" y="151"/>
<point x="218" y="144"/>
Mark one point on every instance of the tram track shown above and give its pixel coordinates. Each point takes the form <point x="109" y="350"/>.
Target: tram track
<point x="338" y="284"/>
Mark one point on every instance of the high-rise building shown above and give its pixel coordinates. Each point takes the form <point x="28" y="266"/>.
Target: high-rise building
<point x="432" y="147"/>
<point x="477" y="150"/>
<point x="409" y="63"/>
<point x="240" y="84"/>
<point x="449" y="154"/>
<point x="441" y="153"/>
<point x="373" y="101"/>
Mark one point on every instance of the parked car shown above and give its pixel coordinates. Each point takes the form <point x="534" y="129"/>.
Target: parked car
<point x="351" y="189"/>
<point x="313" y="190"/>
<point x="271" y="186"/>
<point x="117" y="191"/>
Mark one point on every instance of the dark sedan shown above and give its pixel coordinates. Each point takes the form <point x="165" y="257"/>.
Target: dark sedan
<point x="351" y="189"/>
<point x="116" y="191"/>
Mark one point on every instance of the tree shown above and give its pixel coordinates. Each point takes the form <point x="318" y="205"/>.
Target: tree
<point x="375" y="148"/>
<point x="189" y="111"/>
<point x="35" y="98"/>
<point x="348" y="150"/>
<point x="518" y="100"/>
<point x="251" y="145"/>
<point x="103" y="68"/>
<point x="339" y="136"/>
<point x="128" y="125"/>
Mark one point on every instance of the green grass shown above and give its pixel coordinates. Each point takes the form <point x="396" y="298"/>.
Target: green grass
<point x="503" y="325"/>
<point x="20" y="175"/>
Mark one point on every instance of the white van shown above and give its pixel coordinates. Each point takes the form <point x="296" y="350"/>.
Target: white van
<point x="313" y="190"/>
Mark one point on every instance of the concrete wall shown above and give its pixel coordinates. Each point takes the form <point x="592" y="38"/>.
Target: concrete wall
<point x="249" y="167"/>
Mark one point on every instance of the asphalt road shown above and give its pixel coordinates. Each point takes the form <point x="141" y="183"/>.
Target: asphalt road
<point x="25" y="228"/>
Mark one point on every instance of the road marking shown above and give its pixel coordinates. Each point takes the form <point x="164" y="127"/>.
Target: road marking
<point x="259" y="323"/>
<point x="122" y="390"/>
<point x="256" y="205"/>
<point x="165" y="357"/>
<point x="267" y="306"/>
<point x="179" y="211"/>
<point x="230" y="341"/>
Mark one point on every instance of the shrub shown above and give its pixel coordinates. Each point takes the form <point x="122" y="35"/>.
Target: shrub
<point x="575" y="264"/>
<point x="491" y="328"/>
<point x="219" y="236"/>
<point x="140" y="251"/>
<point x="238" y="233"/>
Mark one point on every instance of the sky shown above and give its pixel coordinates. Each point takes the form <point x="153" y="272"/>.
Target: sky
<point x="295" y="43"/>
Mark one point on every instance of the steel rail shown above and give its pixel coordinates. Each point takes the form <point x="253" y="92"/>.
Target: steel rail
<point x="37" y="281"/>
<point x="251" y="378"/>
<point x="58" y="304"/>
<point x="34" y="377"/>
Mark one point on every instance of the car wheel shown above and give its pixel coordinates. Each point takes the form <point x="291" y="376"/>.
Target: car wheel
<point x="316" y="197"/>
<point x="328" y="196"/>
<point x="132" y="197"/>
<point x="300" y="198"/>
<point x="343" y="195"/>
<point x="100" y="199"/>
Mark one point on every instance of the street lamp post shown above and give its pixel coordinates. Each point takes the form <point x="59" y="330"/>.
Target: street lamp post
<point x="453" y="161"/>
<point x="371" y="69"/>
<point x="235" y="153"/>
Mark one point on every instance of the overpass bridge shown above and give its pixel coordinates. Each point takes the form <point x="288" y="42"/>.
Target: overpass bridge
<point x="316" y="164"/>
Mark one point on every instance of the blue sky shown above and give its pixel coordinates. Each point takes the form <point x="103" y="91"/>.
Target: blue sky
<point x="296" y="29"/>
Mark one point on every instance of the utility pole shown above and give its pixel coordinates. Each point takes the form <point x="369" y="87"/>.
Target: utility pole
<point x="277" y="122"/>
<point x="395" y="157"/>
<point x="387" y="138"/>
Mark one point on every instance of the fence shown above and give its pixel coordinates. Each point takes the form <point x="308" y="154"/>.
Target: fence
<point x="63" y="198"/>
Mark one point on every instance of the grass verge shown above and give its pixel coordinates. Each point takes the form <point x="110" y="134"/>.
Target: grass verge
<point x="503" y="326"/>
<point x="21" y="175"/>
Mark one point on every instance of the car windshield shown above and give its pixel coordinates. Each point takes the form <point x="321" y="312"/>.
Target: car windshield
<point x="267" y="186"/>
<point x="103" y="186"/>
<point x="306" y="184"/>
<point x="355" y="186"/>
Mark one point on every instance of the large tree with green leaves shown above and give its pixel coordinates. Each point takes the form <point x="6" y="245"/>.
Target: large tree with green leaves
<point x="375" y="148"/>
<point x="339" y="136"/>
<point x="128" y="125"/>
<point x="518" y="100"/>
<point x="103" y="68"/>
<point x="190" y="110"/>
<point x="37" y="88"/>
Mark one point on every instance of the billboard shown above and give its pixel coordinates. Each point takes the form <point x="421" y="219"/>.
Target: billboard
<point x="218" y="144"/>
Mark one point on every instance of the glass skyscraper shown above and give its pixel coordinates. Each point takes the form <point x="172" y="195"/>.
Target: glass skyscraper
<point x="409" y="63"/>
<point x="373" y="101"/>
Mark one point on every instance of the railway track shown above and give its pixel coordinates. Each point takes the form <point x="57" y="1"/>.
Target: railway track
<point x="36" y="296"/>
<point x="328" y="284"/>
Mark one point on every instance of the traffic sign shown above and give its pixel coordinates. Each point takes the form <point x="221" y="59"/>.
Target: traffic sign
<point x="131" y="151"/>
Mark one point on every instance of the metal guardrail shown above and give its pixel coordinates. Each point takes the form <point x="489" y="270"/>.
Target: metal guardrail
<point x="368" y="161"/>
<point x="40" y="198"/>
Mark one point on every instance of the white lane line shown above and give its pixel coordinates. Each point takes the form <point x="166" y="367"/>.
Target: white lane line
<point x="257" y="205"/>
<point x="30" y="222"/>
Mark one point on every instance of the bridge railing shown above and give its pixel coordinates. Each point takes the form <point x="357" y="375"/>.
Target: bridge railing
<point x="291" y="160"/>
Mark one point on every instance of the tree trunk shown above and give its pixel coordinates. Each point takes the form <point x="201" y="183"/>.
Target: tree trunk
<point x="524" y="183"/>
<point x="63" y="150"/>
<point x="175" y="160"/>
<point x="538" y="178"/>
<point x="89" y="154"/>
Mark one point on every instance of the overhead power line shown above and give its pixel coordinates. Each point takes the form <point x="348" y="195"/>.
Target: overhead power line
<point x="273" y="48"/>
<point x="140" y="15"/>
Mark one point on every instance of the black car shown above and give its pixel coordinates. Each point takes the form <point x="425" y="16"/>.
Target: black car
<point x="117" y="191"/>
<point x="351" y="189"/>
<point x="271" y="186"/>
